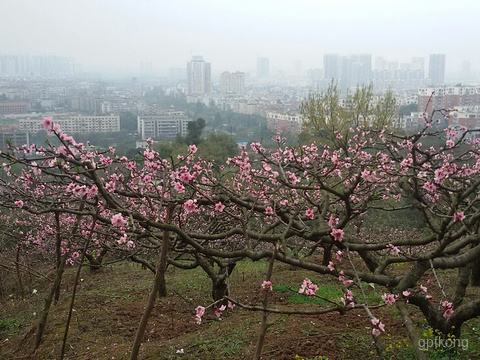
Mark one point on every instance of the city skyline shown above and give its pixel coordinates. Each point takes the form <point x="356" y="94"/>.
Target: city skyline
<point x="121" y="35"/>
<point x="350" y="71"/>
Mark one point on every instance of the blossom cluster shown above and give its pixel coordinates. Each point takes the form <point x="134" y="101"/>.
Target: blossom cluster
<point x="308" y="288"/>
<point x="266" y="285"/>
<point x="200" y="311"/>
<point x="378" y="328"/>
<point x="448" y="309"/>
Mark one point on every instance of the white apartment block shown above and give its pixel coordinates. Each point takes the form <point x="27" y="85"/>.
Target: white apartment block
<point x="75" y="124"/>
<point x="232" y="83"/>
<point x="449" y="90"/>
<point x="284" y="123"/>
<point x="164" y="125"/>
<point x="198" y="77"/>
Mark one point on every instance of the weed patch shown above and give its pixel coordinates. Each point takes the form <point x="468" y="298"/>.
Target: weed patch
<point x="325" y="291"/>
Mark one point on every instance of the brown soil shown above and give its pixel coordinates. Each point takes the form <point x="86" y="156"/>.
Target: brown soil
<point x="109" y="305"/>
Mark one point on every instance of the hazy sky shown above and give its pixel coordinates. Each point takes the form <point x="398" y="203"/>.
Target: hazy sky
<point x="230" y="34"/>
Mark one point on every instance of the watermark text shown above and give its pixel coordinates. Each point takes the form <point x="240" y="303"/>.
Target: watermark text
<point x="439" y="342"/>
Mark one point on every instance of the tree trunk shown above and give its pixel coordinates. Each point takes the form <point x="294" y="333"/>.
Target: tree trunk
<point x="219" y="290"/>
<point x="162" y="287"/>
<point x="220" y="285"/>
<point x="327" y="254"/>
<point x="77" y="278"/>
<point x="48" y="301"/>
<point x="96" y="262"/>
<point x="265" y="325"/>
<point x="19" y="275"/>
<point x="159" y="277"/>
<point x="462" y="283"/>
<point x="58" y="252"/>
<point x="475" y="278"/>
<point x="412" y="332"/>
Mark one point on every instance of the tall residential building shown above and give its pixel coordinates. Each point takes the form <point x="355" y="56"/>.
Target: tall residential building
<point x="263" y="68"/>
<point x="356" y="70"/>
<point x="199" y="76"/>
<point x="362" y="69"/>
<point x="380" y="64"/>
<point x="353" y="70"/>
<point x="418" y="68"/>
<point x="418" y="64"/>
<point x="436" y="69"/>
<point x="35" y="65"/>
<point x="232" y="83"/>
<point x="331" y="66"/>
<point x="466" y="69"/>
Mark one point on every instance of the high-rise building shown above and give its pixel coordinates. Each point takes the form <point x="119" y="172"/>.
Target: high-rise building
<point x="349" y="71"/>
<point x="331" y="66"/>
<point x="232" y="83"/>
<point x="380" y="64"/>
<point x="36" y="65"/>
<point x="418" y="68"/>
<point x="263" y="68"/>
<point x="436" y="69"/>
<point x="199" y="77"/>
<point x="356" y="70"/>
<point x="418" y="63"/>
<point x="466" y="69"/>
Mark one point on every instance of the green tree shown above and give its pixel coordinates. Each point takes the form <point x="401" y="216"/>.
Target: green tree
<point x="128" y="121"/>
<point x="218" y="147"/>
<point x="330" y="117"/>
<point x="218" y="119"/>
<point x="195" y="129"/>
<point x="407" y="109"/>
<point x="169" y="148"/>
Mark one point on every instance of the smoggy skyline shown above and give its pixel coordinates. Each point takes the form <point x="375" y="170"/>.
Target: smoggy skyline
<point x="119" y="35"/>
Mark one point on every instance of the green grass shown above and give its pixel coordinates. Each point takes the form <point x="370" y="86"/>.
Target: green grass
<point x="465" y="348"/>
<point x="10" y="325"/>
<point x="327" y="291"/>
<point x="109" y="305"/>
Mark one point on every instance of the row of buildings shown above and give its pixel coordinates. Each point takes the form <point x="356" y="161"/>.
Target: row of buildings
<point x="36" y="65"/>
<point x="448" y="97"/>
<point x="160" y="124"/>
<point x="26" y="95"/>
<point x="348" y="71"/>
<point x="199" y="78"/>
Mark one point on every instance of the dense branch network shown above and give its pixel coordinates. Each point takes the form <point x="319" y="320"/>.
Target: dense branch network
<point x="306" y="200"/>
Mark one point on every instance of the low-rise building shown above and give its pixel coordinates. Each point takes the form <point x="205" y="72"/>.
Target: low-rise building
<point x="75" y="124"/>
<point x="163" y="125"/>
<point x="284" y="123"/>
<point x="13" y="108"/>
<point x="13" y="138"/>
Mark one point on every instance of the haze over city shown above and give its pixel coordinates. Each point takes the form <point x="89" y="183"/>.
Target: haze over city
<point x="112" y="35"/>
